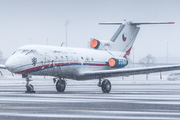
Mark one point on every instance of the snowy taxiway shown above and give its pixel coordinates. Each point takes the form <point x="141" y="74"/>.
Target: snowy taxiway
<point x="129" y="99"/>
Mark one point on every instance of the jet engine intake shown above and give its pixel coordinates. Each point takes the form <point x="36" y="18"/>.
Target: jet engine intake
<point x="117" y="62"/>
<point x="95" y="44"/>
<point x="101" y="44"/>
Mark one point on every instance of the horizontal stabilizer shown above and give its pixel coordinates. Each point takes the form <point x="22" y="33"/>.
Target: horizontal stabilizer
<point x="137" y="23"/>
<point x="146" y="23"/>
<point x="110" y="23"/>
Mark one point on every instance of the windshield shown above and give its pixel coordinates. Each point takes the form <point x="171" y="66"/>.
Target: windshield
<point x="25" y="51"/>
<point x="31" y="52"/>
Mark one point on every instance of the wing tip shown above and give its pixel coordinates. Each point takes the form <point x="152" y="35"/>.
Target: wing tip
<point x="171" y="22"/>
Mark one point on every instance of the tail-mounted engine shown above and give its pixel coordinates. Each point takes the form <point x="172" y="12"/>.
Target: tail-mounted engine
<point x="117" y="62"/>
<point x="95" y="44"/>
<point x="101" y="44"/>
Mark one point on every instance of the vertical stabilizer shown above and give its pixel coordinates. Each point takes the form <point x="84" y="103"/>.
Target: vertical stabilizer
<point x="124" y="37"/>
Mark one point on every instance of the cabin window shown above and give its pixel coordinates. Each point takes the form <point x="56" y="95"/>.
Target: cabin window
<point x="176" y="73"/>
<point x="87" y="59"/>
<point x="171" y="75"/>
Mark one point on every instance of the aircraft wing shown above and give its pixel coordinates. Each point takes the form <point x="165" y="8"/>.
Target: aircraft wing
<point x="128" y="71"/>
<point x="2" y="66"/>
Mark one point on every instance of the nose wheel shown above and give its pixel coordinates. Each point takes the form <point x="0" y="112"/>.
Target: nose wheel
<point x="29" y="87"/>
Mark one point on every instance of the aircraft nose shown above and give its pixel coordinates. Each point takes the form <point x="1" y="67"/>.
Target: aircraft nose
<point x="11" y="64"/>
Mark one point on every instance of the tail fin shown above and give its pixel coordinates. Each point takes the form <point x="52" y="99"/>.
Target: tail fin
<point x="124" y="37"/>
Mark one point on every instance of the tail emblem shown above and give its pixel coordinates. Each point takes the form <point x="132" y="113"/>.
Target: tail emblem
<point x="124" y="37"/>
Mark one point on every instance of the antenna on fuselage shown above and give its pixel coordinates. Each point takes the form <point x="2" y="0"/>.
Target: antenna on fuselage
<point x="62" y="44"/>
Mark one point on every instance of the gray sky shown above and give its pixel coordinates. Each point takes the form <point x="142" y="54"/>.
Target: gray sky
<point x="22" y="20"/>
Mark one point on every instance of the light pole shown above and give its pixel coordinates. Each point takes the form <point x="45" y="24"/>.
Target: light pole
<point x="133" y="61"/>
<point x="30" y="40"/>
<point x="167" y="52"/>
<point x="47" y="40"/>
<point x="67" y="22"/>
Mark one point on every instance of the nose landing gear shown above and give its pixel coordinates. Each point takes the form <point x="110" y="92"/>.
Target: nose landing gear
<point x="29" y="87"/>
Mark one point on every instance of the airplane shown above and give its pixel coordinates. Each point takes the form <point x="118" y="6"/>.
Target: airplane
<point x="104" y="59"/>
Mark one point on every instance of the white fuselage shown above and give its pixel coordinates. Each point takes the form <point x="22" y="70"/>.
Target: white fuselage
<point x="62" y="62"/>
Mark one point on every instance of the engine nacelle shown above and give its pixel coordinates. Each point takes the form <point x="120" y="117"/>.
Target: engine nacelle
<point x="101" y="44"/>
<point x="95" y="44"/>
<point x="117" y="62"/>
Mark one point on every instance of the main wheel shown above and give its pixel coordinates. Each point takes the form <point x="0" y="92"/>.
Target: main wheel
<point x="106" y="86"/>
<point x="60" y="85"/>
<point x="169" y="79"/>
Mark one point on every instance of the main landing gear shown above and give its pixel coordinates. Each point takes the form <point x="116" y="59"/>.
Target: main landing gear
<point x="29" y="87"/>
<point x="60" y="84"/>
<point x="105" y="85"/>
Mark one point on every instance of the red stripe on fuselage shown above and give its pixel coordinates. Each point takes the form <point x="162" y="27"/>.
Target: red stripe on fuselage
<point x="56" y="64"/>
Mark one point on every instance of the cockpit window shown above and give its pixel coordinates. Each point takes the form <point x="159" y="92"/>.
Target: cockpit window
<point x="14" y="53"/>
<point x="31" y="52"/>
<point x="17" y="51"/>
<point x="26" y="52"/>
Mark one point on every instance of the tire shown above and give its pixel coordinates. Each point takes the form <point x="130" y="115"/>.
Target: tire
<point x="169" y="79"/>
<point x="60" y="85"/>
<point x="106" y="86"/>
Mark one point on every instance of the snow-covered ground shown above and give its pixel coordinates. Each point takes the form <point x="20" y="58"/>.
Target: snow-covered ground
<point x="155" y="78"/>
